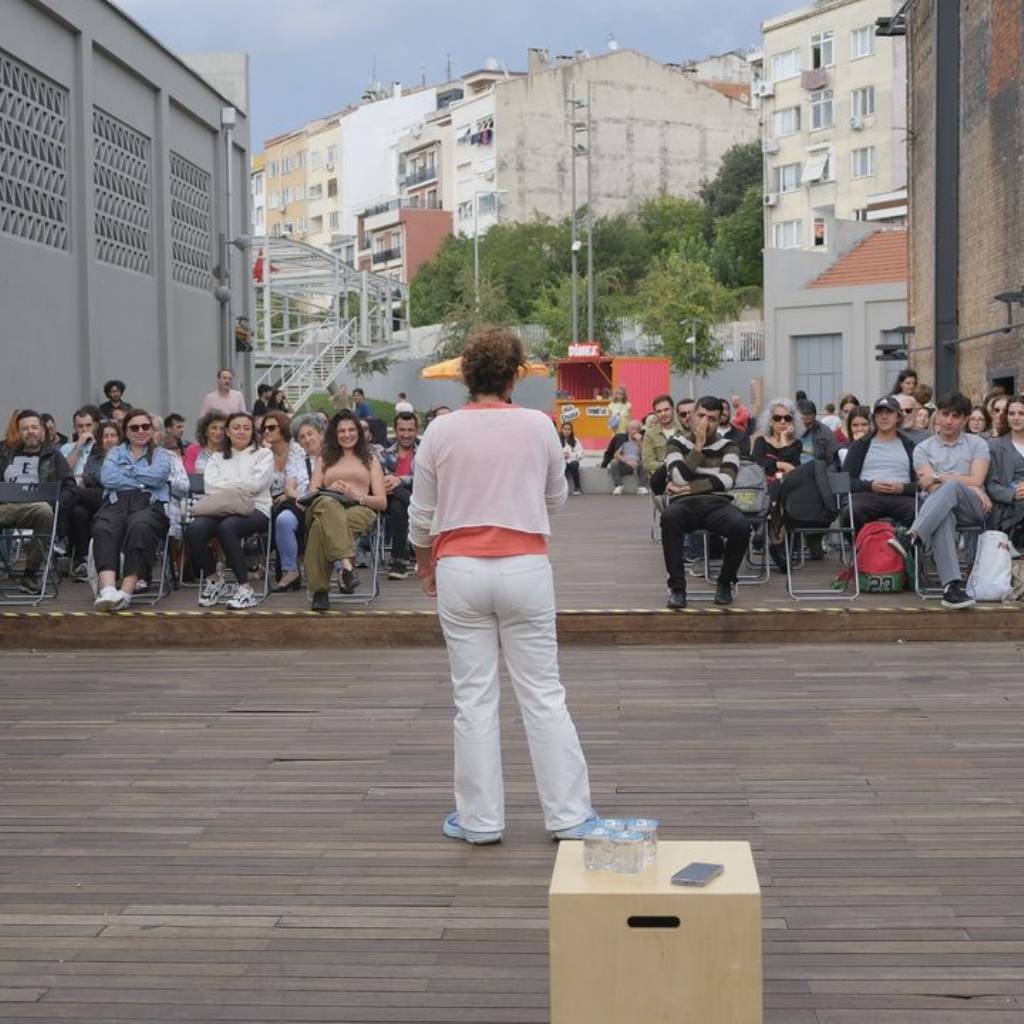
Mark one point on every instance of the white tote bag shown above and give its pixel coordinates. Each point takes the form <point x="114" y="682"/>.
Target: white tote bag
<point x="991" y="577"/>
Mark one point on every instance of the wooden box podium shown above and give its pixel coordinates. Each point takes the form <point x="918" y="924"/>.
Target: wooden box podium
<point x="635" y="949"/>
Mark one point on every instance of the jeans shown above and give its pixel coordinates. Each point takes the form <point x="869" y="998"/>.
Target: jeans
<point x="398" y="522"/>
<point x="869" y="507"/>
<point x="286" y="537"/>
<point x="482" y="602"/>
<point x="619" y="470"/>
<point x="572" y="474"/>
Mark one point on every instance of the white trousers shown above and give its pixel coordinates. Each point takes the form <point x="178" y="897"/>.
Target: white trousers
<point x="481" y="602"/>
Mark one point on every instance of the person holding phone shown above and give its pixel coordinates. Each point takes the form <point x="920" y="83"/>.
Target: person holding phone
<point x="487" y="478"/>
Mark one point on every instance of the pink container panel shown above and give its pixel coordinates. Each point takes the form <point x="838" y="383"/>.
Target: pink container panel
<point x="644" y="379"/>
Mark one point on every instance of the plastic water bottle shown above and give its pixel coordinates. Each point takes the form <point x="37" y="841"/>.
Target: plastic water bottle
<point x="648" y="828"/>
<point x="597" y="849"/>
<point x="627" y="853"/>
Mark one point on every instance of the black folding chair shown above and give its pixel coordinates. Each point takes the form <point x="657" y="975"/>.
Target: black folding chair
<point x="18" y="544"/>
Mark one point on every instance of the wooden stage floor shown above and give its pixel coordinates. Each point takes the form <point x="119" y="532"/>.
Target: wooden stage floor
<point x="610" y="587"/>
<point x="255" y="835"/>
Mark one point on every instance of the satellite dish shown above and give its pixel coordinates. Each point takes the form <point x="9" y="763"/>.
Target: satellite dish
<point x="613" y="43"/>
<point x="491" y="64"/>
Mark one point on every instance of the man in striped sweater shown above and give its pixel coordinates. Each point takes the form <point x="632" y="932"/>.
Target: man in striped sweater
<point x="699" y="471"/>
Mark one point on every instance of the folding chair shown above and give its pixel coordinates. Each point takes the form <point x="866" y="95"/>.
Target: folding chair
<point x="925" y="575"/>
<point x="367" y="592"/>
<point x="841" y="527"/>
<point x="17" y="543"/>
<point x="156" y="589"/>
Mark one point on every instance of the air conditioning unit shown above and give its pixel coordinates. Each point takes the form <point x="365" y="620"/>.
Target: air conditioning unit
<point x="771" y="199"/>
<point x="764" y="89"/>
<point x="857" y="124"/>
<point x="770" y="146"/>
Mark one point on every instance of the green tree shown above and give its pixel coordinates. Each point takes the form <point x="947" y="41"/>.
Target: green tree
<point x="667" y="221"/>
<point x="739" y="243"/>
<point x="680" y="298"/>
<point x="465" y="315"/>
<point x="437" y="287"/>
<point x="741" y="167"/>
<point x="553" y="310"/>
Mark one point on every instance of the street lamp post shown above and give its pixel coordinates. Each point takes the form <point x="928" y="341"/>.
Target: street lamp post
<point x="476" y="236"/>
<point x="691" y="340"/>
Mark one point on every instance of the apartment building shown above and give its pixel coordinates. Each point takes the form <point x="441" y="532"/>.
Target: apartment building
<point x="834" y="122"/>
<point x="396" y="239"/>
<point x="284" y="166"/>
<point x="474" y="154"/>
<point x="323" y="181"/>
<point x="258" y="194"/>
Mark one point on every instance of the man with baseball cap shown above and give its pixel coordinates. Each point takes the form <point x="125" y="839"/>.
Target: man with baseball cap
<point x="881" y="468"/>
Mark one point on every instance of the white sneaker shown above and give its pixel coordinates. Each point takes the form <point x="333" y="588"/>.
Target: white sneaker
<point x="123" y="601"/>
<point x="243" y="598"/>
<point x="617" y="490"/>
<point x="642" y="490"/>
<point x="213" y="588"/>
<point x="108" y="597"/>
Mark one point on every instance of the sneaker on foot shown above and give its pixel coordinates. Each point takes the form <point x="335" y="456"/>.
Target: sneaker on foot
<point x="902" y="542"/>
<point x="577" y="492"/>
<point x="29" y="582"/>
<point x="244" y="597"/>
<point x="212" y="591"/>
<point x="453" y="830"/>
<point x="321" y="602"/>
<point x="80" y="571"/>
<point x="398" y="571"/>
<point x="108" y="597"/>
<point x="617" y="490"/>
<point x="124" y="600"/>
<point x="642" y="490"/>
<point x="723" y="592"/>
<point x="676" y="600"/>
<point x="348" y="582"/>
<point x="955" y="596"/>
<point x="578" y="831"/>
<point x="142" y="586"/>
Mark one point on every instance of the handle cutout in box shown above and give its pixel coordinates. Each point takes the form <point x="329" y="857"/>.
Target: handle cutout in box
<point x="652" y="921"/>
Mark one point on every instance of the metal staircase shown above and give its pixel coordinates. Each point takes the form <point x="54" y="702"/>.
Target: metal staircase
<point x="315" y="314"/>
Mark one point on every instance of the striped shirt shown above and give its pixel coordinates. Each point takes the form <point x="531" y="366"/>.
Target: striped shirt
<point x="709" y="472"/>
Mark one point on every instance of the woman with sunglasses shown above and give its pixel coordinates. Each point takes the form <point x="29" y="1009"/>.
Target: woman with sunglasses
<point x="132" y="521"/>
<point x="777" y="450"/>
<point x="242" y="467"/>
<point x="289" y="483"/>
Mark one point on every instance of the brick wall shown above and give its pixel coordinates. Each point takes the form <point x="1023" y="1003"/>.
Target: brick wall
<point x="991" y="197"/>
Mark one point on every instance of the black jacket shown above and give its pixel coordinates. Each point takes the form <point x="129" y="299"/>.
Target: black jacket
<point x="824" y="442"/>
<point x="53" y="467"/>
<point x="854" y="464"/>
<point x="617" y="441"/>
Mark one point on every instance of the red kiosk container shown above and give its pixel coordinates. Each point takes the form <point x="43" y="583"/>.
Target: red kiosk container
<point x="586" y="380"/>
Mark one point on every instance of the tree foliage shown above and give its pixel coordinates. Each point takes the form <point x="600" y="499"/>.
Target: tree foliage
<point x="742" y="167"/>
<point x="466" y="314"/>
<point x="739" y="243"/>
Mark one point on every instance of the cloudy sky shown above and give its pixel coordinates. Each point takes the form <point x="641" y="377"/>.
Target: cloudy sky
<point x="309" y="57"/>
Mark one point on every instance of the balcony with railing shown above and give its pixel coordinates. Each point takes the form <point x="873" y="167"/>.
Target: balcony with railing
<point x="387" y="255"/>
<point x="420" y="176"/>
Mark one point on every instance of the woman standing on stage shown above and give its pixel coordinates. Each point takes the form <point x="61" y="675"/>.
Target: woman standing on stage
<point x="486" y="478"/>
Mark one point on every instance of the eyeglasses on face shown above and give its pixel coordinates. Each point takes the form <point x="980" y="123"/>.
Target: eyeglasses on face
<point x="782" y="419"/>
<point x="138" y="428"/>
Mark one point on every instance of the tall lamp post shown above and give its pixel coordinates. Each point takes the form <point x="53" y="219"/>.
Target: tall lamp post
<point x="691" y="340"/>
<point x="476" y="235"/>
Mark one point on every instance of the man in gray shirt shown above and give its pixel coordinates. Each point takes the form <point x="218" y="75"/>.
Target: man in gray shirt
<point x="881" y="468"/>
<point x="951" y="467"/>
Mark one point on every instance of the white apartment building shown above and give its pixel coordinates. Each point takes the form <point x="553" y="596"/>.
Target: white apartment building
<point x="474" y="155"/>
<point x="833" y="108"/>
<point x="258" y="195"/>
<point x="323" y="182"/>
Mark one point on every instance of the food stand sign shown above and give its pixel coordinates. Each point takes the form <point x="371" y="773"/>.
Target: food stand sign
<point x="569" y="413"/>
<point x="585" y="350"/>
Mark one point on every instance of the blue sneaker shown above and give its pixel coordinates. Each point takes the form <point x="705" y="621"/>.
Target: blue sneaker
<point x="453" y="830"/>
<point x="578" y="831"/>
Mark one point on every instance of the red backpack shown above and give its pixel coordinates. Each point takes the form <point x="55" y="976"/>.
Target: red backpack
<point x="880" y="567"/>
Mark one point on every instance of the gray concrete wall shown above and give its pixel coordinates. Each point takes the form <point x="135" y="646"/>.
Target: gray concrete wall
<point x="71" y="320"/>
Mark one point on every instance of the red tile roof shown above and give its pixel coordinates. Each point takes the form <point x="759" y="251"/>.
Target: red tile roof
<point x="881" y="258"/>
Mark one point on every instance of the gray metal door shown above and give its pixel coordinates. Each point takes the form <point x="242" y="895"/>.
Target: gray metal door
<point x="818" y="366"/>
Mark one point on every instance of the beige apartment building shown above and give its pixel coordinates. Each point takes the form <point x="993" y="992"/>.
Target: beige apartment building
<point x="834" y="122"/>
<point x="284" y="168"/>
<point x="323" y="181"/>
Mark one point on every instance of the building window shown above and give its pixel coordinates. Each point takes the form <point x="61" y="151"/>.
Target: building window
<point x="121" y="193"/>
<point x="818" y="366"/>
<point x="332" y="220"/>
<point x="299" y="193"/>
<point x="787" y="178"/>
<point x="818" y="168"/>
<point x="257" y="184"/>
<point x="300" y="158"/>
<point x="785" y="65"/>
<point x="822" y="110"/>
<point x="466" y="210"/>
<point x="864" y="162"/>
<point x="191" y="223"/>
<point x="862" y="101"/>
<point x="785" y="122"/>
<point x="287" y="228"/>
<point x="432" y="203"/>
<point x="820" y="239"/>
<point x="823" y="50"/>
<point x="314" y="159"/>
<point x="316" y="191"/>
<point x="332" y="156"/>
<point x="258" y="214"/>
<point x="786" y="234"/>
<point x="332" y="187"/>
<point x="862" y="42"/>
<point x="272" y="169"/>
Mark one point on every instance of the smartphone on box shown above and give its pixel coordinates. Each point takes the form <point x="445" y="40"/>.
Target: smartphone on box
<point x="697" y="874"/>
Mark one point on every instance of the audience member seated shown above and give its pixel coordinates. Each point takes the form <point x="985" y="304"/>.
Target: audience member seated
<point x="53" y="435"/>
<point x="741" y="418"/>
<point x="132" y="521"/>
<point x="289" y="483"/>
<point x="699" y="470"/>
<point x="11" y="438"/>
<point x="278" y="402"/>
<point x="652" y="453"/>
<point x="626" y="460"/>
<point x="307" y="430"/>
<point x="236" y="505"/>
<point x="174" y="433"/>
<point x="435" y="411"/>
<point x="998" y="407"/>
<point x="847" y="404"/>
<point x="979" y="422"/>
<point x="348" y="492"/>
<point x="909" y="427"/>
<point x="923" y="419"/>
<point x="572" y="452"/>
<point x="90" y="500"/>
<point x="1005" y="484"/>
<point x="76" y="453"/>
<point x="906" y="383"/>
<point x="114" y="390"/>
<point x="29" y="461"/>
<point x="399" y="465"/>
<point x="816" y="440"/>
<point x="684" y="410"/>
<point x="225" y="399"/>
<point x="858" y="425"/>
<point x="952" y="467"/>
<point x="830" y="419"/>
<point x="209" y="441"/>
<point x="777" y="450"/>
<point x="881" y="468"/>
<point x="732" y="433"/>
<point x="178" y="487"/>
<point x="260" y="406"/>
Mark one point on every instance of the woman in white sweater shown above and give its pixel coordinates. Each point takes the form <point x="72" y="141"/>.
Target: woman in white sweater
<point x="486" y="478"/>
<point x="246" y="469"/>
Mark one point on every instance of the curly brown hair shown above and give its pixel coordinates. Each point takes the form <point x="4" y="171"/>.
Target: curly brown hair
<point x="492" y="358"/>
<point x="331" y="451"/>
